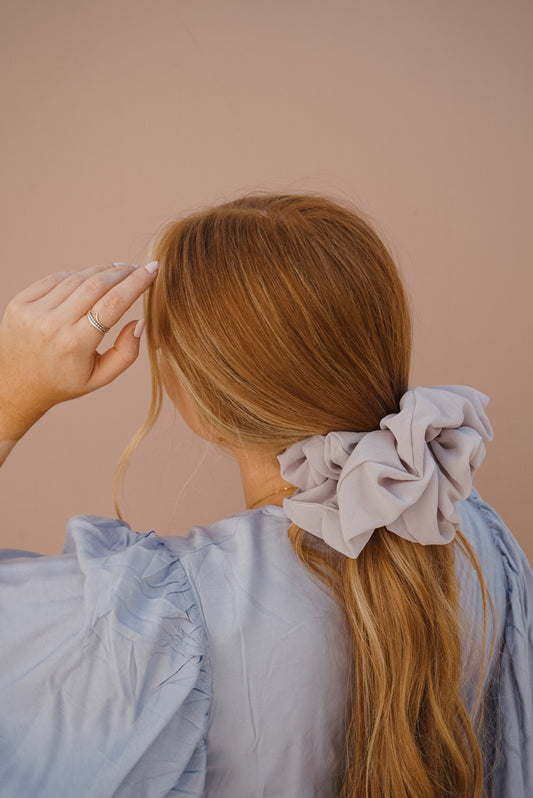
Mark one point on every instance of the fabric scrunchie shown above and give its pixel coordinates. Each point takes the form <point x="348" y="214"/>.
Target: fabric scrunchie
<point x="407" y="476"/>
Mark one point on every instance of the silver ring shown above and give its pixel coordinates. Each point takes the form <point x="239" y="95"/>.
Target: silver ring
<point x="93" y="318"/>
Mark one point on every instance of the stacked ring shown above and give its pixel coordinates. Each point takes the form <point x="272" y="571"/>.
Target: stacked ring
<point x="93" y="318"/>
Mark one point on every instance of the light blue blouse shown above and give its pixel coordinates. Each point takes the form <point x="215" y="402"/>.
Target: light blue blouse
<point x="140" y="666"/>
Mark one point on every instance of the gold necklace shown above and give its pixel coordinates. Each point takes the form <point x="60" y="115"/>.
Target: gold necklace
<point x="269" y="495"/>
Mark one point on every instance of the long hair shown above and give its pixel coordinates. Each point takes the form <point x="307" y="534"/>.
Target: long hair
<point x="284" y="316"/>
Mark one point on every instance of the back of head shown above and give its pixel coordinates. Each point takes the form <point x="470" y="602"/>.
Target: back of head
<point x="283" y="316"/>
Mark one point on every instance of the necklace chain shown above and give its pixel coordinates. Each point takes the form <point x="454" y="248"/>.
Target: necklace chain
<point x="275" y="493"/>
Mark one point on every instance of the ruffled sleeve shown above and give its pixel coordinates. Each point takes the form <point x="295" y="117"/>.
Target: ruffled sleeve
<point x="508" y="740"/>
<point x="105" y="687"/>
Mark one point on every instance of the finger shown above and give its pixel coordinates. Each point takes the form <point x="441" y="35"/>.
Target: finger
<point x="41" y="287"/>
<point x="66" y="287"/>
<point x="110" y="302"/>
<point x="117" y="359"/>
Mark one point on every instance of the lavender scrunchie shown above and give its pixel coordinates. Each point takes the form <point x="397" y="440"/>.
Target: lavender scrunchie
<point x="407" y="476"/>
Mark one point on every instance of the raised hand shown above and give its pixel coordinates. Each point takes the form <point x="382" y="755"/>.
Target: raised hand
<point x="48" y="345"/>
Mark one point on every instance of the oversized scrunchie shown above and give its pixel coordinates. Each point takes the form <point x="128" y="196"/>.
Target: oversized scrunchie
<point x="407" y="476"/>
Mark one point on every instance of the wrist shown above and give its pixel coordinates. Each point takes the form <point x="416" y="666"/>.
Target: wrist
<point x="12" y="429"/>
<point x="15" y="422"/>
<point x="5" y="448"/>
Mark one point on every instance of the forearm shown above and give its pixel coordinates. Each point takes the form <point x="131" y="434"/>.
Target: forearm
<point x="13" y="427"/>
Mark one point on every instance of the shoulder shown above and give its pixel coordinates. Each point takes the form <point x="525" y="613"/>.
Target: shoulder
<point x="137" y="578"/>
<point x="249" y="528"/>
<point x="509" y="705"/>
<point x="507" y="572"/>
<point x="108" y="579"/>
<point x="509" y="580"/>
<point x="111" y="566"/>
<point x="248" y="561"/>
<point x="499" y="553"/>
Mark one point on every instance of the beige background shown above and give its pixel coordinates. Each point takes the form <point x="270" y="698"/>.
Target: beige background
<point x="119" y="114"/>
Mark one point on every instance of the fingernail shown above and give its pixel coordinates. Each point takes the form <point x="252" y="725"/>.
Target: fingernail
<point x="120" y="264"/>
<point x="139" y="328"/>
<point x="152" y="267"/>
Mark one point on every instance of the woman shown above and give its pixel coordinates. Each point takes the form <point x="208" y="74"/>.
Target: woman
<point x="361" y="629"/>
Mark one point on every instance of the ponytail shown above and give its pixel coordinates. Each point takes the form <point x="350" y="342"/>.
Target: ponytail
<point x="408" y="733"/>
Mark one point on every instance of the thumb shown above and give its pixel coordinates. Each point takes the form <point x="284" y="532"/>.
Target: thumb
<point x="120" y="357"/>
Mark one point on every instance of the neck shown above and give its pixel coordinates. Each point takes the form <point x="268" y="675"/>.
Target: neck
<point x="261" y="480"/>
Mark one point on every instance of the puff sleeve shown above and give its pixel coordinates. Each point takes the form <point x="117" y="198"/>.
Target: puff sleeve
<point x="105" y="687"/>
<point x="508" y="727"/>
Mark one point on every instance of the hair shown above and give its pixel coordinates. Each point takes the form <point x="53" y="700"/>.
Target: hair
<point x="284" y="316"/>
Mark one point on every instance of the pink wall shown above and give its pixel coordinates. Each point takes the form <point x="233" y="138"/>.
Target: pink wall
<point x="119" y="114"/>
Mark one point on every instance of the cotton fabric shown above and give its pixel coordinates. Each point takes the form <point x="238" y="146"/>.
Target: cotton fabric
<point x="214" y="665"/>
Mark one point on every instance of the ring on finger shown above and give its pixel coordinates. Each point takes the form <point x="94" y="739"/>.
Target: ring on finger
<point x="93" y="318"/>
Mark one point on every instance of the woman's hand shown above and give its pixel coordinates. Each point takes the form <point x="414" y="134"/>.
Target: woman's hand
<point x="48" y="345"/>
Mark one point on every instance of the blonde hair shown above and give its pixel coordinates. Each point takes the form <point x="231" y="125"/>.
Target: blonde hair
<point x="284" y="316"/>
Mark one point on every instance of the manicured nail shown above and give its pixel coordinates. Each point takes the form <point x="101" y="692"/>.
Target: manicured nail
<point x="152" y="267"/>
<point x="139" y="328"/>
<point x="120" y="264"/>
